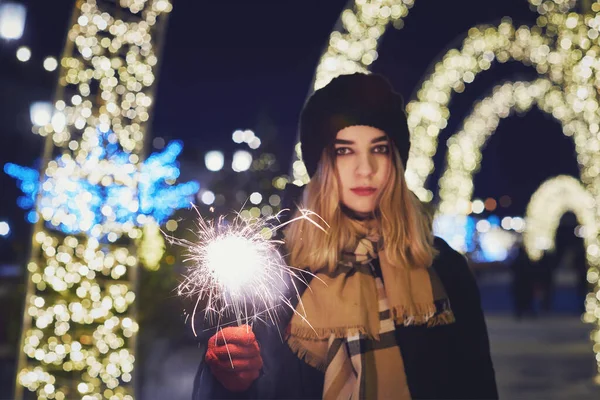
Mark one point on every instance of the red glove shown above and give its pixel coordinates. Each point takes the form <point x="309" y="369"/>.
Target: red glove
<point x="243" y="349"/>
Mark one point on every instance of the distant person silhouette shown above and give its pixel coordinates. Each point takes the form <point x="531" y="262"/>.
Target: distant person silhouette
<point x="523" y="284"/>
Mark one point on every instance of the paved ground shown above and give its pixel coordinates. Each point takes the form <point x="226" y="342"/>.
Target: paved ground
<point x="546" y="359"/>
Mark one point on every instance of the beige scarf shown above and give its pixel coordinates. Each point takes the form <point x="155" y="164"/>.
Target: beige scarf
<point x="349" y="330"/>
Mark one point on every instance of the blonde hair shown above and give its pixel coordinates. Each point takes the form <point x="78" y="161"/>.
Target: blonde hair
<point x="405" y="225"/>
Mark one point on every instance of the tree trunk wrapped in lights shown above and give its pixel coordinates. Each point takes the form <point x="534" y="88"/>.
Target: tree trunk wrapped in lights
<point x="94" y="197"/>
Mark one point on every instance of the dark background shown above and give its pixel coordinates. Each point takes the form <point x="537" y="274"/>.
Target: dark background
<point x="246" y="64"/>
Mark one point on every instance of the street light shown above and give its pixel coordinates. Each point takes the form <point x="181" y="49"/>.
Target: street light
<point x="12" y="20"/>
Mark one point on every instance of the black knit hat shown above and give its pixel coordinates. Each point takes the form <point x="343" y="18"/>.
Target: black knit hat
<point x="351" y="100"/>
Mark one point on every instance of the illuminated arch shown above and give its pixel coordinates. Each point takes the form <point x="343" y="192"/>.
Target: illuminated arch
<point x="551" y="200"/>
<point x="464" y="148"/>
<point x="464" y="154"/>
<point x="428" y="115"/>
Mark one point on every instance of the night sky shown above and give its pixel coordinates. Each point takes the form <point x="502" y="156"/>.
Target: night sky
<point x="231" y="65"/>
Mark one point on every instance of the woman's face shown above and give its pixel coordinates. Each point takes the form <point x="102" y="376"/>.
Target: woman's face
<point x="363" y="163"/>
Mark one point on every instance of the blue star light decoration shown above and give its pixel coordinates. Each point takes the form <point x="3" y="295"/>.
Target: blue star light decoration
<point x="103" y="191"/>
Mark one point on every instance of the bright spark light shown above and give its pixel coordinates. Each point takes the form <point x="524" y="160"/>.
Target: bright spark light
<point x="237" y="270"/>
<point x="222" y="263"/>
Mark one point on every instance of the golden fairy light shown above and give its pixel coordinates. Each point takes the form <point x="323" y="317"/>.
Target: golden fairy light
<point x="464" y="147"/>
<point x="551" y="200"/>
<point x="80" y="324"/>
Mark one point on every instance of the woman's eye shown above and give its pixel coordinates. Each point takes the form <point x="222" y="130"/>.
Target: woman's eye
<point x="384" y="149"/>
<point x="340" y="151"/>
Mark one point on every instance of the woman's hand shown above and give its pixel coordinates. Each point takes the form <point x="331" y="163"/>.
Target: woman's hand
<point x="233" y="356"/>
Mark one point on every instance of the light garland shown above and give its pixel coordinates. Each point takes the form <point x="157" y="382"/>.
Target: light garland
<point x="79" y="325"/>
<point x="464" y="147"/>
<point x="353" y="47"/>
<point x="428" y="115"/>
<point x="563" y="47"/>
<point x="553" y="198"/>
<point x="98" y="198"/>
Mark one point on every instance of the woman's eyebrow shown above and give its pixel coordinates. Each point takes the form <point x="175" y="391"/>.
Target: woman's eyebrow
<point x="376" y="140"/>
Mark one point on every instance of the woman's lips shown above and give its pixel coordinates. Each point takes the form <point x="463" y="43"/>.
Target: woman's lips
<point x="364" y="192"/>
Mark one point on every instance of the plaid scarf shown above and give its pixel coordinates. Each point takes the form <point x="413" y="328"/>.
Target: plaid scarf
<point x="337" y="330"/>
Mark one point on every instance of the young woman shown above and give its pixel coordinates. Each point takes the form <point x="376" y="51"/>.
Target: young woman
<point x="395" y="313"/>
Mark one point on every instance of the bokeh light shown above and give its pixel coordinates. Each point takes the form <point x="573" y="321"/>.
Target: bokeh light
<point x="554" y="198"/>
<point x="23" y="54"/>
<point x="214" y="160"/>
<point x="208" y="197"/>
<point x="50" y="64"/>
<point x="4" y="228"/>
<point x="100" y="203"/>
<point x="12" y="20"/>
<point x="238" y="136"/>
<point x="98" y="206"/>
<point x="40" y="113"/>
<point x="242" y="160"/>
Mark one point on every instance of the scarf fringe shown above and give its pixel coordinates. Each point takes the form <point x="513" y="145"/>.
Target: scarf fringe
<point x="422" y="314"/>
<point x="304" y="354"/>
<point x="443" y="318"/>
<point x="308" y="333"/>
<point x="419" y="314"/>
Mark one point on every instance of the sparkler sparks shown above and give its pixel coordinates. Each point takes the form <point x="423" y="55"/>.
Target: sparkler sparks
<point x="237" y="270"/>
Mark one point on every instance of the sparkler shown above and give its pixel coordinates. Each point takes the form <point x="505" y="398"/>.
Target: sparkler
<point x="237" y="269"/>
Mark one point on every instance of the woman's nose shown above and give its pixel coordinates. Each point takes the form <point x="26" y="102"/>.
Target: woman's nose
<point x="366" y="165"/>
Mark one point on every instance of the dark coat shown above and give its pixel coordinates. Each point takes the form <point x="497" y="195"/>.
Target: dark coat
<point x="442" y="362"/>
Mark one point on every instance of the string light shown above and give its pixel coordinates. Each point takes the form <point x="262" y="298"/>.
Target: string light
<point x="40" y="113"/>
<point x="354" y="47"/>
<point x="553" y="198"/>
<point x="50" y="64"/>
<point x="457" y="230"/>
<point x="151" y="247"/>
<point x="464" y="148"/>
<point x="98" y="199"/>
<point x="112" y="206"/>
